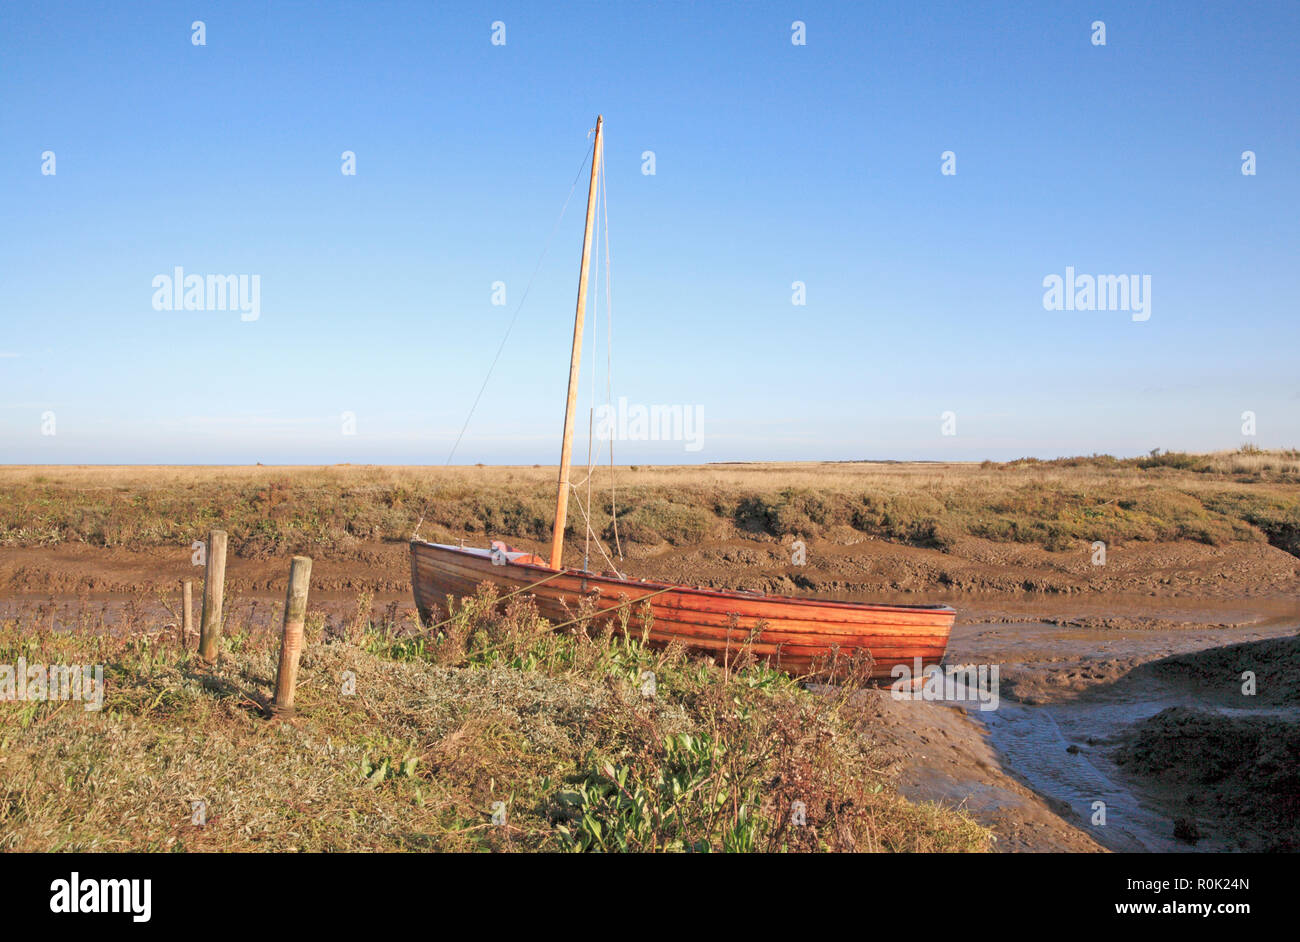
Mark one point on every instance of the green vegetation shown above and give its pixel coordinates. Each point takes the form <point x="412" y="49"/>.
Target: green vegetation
<point x="493" y="732"/>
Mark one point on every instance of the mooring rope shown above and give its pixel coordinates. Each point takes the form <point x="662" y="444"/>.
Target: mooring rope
<point x="450" y="619"/>
<point x="604" y="611"/>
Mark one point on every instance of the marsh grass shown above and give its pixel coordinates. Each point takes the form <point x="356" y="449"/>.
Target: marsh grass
<point x="406" y="739"/>
<point x="1246" y="495"/>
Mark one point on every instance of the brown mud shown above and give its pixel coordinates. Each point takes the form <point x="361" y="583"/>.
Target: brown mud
<point x="971" y="568"/>
<point x="975" y="566"/>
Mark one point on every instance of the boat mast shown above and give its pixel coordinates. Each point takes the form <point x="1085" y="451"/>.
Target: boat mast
<point x="566" y="448"/>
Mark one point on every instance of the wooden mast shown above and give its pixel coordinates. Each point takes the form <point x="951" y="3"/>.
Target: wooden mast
<point x="566" y="448"/>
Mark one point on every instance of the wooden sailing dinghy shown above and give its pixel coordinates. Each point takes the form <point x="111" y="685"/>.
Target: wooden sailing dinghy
<point x="798" y="635"/>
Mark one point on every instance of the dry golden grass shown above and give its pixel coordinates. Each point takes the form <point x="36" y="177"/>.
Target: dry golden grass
<point x="1246" y="495"/>
<point x="432" y="733"/>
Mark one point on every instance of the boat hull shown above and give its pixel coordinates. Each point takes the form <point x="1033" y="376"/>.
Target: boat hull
<point x="796" y="635"/>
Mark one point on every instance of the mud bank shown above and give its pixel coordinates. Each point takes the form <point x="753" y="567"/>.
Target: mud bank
<point x="971" y="570"/>
<point x="970" y="567"/>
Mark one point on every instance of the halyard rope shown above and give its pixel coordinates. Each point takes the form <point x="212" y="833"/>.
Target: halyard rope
<point x="602" y="199"/>
<point x="591" y="413"/>
<point x="609" y="357"/>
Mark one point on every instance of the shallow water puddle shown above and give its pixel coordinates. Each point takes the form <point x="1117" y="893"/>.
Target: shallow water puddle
<point x="1032" y="744"/>
<point x="1061" y="708"/>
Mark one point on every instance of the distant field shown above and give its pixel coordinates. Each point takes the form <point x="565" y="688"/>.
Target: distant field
<point x="1212" y="499"/>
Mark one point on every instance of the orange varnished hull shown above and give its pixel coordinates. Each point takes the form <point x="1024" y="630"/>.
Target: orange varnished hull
<point x="796" y="634"/>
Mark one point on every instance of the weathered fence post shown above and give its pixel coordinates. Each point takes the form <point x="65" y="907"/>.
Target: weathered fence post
<point x="214" y="581"/>
<point x="187" y="610"/>
<point x="295" y="614"/>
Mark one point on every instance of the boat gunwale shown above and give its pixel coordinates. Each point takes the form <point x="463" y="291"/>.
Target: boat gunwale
<point x="738" y="595"/>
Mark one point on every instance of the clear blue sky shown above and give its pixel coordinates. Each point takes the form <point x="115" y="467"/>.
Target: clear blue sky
<point x="775" y="163"/>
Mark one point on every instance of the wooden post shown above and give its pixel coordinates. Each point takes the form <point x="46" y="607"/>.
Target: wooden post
<point x="575" y="361"/>
<point x="187" y="610"/>
<point x="214" y="583"/>
<point x="295" y="615"/>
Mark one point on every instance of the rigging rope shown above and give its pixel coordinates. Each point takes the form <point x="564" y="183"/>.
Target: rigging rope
<point x="586" y="519"/>
<point x="591" y="411"/>
<point x="586" y="153"/>
<point x="609" y="364"/>
<point x="602" y="199"/>
<point x="589" y="532"/>
<point x="528" y="287"/>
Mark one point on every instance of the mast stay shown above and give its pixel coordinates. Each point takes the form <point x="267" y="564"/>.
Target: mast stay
<point x="585" y="508"/>
<point x="575" y="360"/>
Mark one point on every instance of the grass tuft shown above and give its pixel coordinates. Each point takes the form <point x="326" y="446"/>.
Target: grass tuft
<point x="495" y="733"/>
